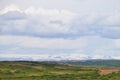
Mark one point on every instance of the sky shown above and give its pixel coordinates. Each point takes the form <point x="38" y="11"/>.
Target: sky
<point x="60" y="27"/>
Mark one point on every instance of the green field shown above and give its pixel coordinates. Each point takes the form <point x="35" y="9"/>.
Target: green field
<point x="10" y="70"/>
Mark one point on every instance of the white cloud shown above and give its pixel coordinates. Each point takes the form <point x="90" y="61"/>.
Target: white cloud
<point x="9" y="8"/>
<point x="38" y="21"/>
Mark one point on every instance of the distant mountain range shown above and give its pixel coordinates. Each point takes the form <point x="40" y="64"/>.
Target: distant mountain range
<point x="59" y="57"/>
<point x="97" y="62"/>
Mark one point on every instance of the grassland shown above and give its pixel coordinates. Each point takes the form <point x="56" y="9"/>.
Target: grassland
<point x="54" y="71"/>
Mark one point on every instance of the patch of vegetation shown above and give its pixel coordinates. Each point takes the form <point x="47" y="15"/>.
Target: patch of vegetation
<point x="53" y="71"/>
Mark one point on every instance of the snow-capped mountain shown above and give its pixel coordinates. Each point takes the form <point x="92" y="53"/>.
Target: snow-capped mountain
<point x="54" y="57"/>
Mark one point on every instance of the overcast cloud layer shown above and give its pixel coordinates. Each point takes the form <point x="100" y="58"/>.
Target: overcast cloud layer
<point x="55" y="23"/>
<point x="58" y="27"/>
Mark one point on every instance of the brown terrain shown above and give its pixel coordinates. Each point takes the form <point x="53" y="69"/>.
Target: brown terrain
<point x="108" y="71"/>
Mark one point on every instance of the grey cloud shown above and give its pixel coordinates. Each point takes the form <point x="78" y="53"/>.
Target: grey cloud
<point x="110" y="32"/>
<point x="13" y="15"/>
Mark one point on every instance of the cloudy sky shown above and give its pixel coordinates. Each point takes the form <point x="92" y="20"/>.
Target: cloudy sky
<point x="54" y="27"/>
